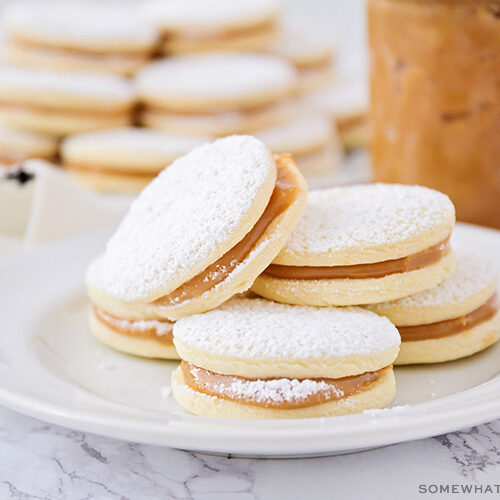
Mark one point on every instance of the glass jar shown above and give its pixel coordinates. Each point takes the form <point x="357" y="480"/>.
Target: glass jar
<point x="435" y="99"/>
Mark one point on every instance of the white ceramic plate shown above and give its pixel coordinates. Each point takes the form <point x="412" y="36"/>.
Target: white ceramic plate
<point x="51" y="369"/>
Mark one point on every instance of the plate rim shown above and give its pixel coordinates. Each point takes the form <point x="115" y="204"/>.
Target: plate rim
<point x="473" y="406"/>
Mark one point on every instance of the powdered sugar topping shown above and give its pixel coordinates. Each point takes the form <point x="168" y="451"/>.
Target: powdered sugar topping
<point x="260" y="329"/>
<point x="79" y="24"/>
<point x="105" y="89"/>
<point x="210" y="15"/>
<point x="183" y="217"/>
<point x="473" y="274"/>
<point x="366" y="216"/>
<point x="221" y="75"/>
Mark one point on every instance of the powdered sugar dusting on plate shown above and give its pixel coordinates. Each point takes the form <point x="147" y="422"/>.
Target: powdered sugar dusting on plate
<point x="366" y="215"/>
<point x="257" y="328"/>
<point x="182" y="217"/>
<point x="474" y="273"/>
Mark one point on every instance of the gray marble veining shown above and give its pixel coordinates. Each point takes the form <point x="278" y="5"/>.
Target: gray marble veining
<point x="41" y="461"/>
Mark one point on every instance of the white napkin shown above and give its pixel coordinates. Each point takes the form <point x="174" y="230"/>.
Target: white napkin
<point x="50" y="206"/>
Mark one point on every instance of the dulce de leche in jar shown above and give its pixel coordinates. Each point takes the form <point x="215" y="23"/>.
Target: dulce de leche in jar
<point x="435" y="99"/>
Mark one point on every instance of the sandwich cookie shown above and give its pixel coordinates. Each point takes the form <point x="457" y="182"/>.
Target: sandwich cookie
<point x="60" y="103"/>
<point x="125" y="159"/>
<point x="252" y="358"/>
<point x="200" y="232"/>
<point x="363" y="244"/>
<point x="313" y="58"/>
<point x="310" y="138"/>
<point x="216" y="94"/>
<point x="77" y="37"/>
<point x="140" y="334"/>
<point x="18" y="145"/>
<point x="207" y="25"/>
<point x="346" y="102"/>
<point x="455" y="319"/>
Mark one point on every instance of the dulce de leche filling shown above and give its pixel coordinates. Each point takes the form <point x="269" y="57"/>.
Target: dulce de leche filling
<point x="277" y="393"/>
<point x="418" y="260"/>
<point x="284" y="194"/>
<point x="159" y="330"/>
<point x="450" y="327"/>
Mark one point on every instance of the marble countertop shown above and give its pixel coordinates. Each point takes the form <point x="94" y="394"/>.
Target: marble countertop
<point x="42" y="461"/>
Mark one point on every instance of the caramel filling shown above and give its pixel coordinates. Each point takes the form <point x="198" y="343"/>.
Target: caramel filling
<point x="418" y="260"/>
<point x="159" y="330"/>
<point x="347" y="124"/>
<point x="284" y="194"/>
<point x="284" y="393"/>
<point x="450" y="327"/>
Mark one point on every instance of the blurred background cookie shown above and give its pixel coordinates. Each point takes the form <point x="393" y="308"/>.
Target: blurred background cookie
<point x="124" y="159"/>
<point x="77" y="36"/>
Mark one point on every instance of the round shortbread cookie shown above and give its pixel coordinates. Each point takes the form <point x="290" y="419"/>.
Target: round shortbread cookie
<point x="17" y="145"/>
<point x="65" y="90"/>
<point x="378" y="395"/>
<point x="320" y="163"/>
<point x="256" y="338"/>
<point x="347" y="103"/>
<point x="363" y="224"/>
<point x="367" y="223"/>
<point x="66" y="60"/>
<point x="145" y="347"/>
<point x="459" y="345"/>
<point x="215" y="82"/>
<point x="469" y="287"/>
<point x="243" y="275"/>
<point x="209" y="16"/>
<point x="62" y="102"/>
<point x="79" y="26"/>
<point x="219" y="124"/>
<point x="346" y="98"/>
<point x="302" y="49"/>
<point x="194" y="212"/>
<point x="133" y="150"/>
<point x="303" y="134"/>
<point x="111" y="182"/>
<point x="346" y="292"/>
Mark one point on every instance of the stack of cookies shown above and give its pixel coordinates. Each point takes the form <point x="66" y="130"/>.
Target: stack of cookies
<point x="347" y="273"/>
<point x="185" y="68"/>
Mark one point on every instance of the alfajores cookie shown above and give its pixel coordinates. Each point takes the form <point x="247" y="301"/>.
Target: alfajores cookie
<point x="311" y="56"/>
<point x="17" y="145"/>
<point x="123" y="159"/>
<point x="216" y="94"/>
<point x="455" y="319"/>
<point x="60" y="103"/>
<point x="200" y="232"/>
<point x="77" y="36"/>
<point x="253" y="358"/>
<point x="363" y="244"/>
<point x="346" y="102"/>
<point x="207" y="25"/>
<point x="310" y="138"/>
<point x="141" y="334"/>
